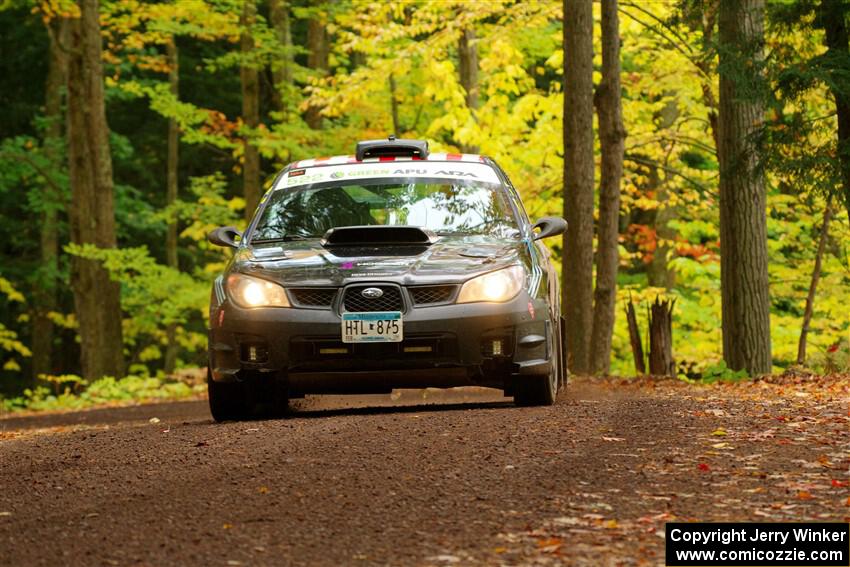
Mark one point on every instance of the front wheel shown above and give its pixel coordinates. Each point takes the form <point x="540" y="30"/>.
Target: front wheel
<point x="542" y="390"/>
<point x="537" y="390"/>
<point x="228" y="400"/>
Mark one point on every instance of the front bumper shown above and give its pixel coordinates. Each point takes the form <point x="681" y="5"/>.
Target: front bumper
<point x="444" y="346"/>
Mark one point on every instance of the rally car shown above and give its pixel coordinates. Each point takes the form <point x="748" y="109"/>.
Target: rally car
<point x="392" y="268"/>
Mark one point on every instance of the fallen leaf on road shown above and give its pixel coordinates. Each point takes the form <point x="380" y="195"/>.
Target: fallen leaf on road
<point x="153" y="420"/>
<point x="703" y="467"/>
<point x="445" y="558"/>
<point x="567" y="521"/>
<point x="719" y="432"/>
<point x="840" y="483"/>
<point x="613" y="439"/>
<point x="549" y="545"/>
<point x="804" y="495"/>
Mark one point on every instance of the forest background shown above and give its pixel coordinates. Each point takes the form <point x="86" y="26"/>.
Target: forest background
<point x="206" y="100"/>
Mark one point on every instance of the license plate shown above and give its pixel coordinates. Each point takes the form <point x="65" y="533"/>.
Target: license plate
<point x="372" y="327"/>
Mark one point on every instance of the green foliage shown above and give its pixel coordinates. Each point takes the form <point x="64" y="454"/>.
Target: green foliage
<point x="721" y="372"/>
<point x="9" y="342"/>
<point x="153" y="296"/>
<point x="70" y="392"/>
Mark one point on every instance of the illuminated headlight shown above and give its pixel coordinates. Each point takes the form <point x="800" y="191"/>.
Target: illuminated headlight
<point x="248" y="292"/>
<point x="498" y="286"/>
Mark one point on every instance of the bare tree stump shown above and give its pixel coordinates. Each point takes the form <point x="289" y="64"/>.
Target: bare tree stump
<point x="634" y="338"/>
<point x="661" y="361"/>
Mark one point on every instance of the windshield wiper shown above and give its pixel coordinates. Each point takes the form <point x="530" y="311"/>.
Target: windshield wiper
<point x="287" y="238"/>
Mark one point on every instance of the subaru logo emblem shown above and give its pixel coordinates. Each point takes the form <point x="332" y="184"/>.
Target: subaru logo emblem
<point x="372" y="292"/>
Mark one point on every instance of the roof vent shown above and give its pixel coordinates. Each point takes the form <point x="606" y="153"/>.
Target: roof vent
<point x="391" y="148"/>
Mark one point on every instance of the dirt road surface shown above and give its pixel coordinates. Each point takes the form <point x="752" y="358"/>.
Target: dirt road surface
<point x="457" y="478"/>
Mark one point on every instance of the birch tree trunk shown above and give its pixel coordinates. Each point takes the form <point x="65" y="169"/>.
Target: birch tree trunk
<point x="743" y="223"/>
<point x="577" y="270"/>
<point x="92" y="212"/>
<point x="612" y="137"/>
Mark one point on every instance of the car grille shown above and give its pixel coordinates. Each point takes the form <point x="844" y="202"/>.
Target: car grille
<point x="313" y="296"/>
<point x="427" y="295"/>
<point x="353" y="300"/>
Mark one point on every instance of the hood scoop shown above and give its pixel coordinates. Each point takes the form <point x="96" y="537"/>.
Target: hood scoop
<point x="378" y="236"/>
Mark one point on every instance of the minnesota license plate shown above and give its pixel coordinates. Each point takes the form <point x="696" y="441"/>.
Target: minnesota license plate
<point x="372" y="327"/>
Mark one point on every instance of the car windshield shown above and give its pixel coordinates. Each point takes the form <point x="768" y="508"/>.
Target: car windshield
<point x="445" y="206"/>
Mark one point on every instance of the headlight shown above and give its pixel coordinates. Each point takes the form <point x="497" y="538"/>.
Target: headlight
<point x="255" y="292"/>
<point x="498" y="286"/>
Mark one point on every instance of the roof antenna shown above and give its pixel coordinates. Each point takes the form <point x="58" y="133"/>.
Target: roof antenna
<point x="391" y="138"/>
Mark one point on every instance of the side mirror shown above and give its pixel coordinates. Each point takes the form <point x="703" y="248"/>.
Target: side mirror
<point x="224" y="236"/>
<point x="549" y="226"/>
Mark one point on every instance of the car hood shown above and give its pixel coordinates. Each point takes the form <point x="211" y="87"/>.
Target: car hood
<point x="449" y="260"/>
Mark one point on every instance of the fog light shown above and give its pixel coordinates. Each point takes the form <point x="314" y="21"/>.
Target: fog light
<point x="254" y="353"/>
<point x="497" y="348"/>
<point x="418" y="349"/>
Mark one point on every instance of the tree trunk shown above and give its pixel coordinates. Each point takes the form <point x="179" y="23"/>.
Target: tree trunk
<point x="468" y="58"/>
<point x="577" y="270"/>
<point x="661" y="361"/>
<point x="92" y="212"/>
<point x="813" y="286"/>
<point x="281" y="70"/>
<point x="612" y="137"/>
<point x="250" y="110"/>
<point x="659" y="272"/>
<point x="833" y="15"/>
<point x="44" y="294"/>
<point x="743" y="224"/>
<point x="171" y="192"/>
<point x="173" y="155"/>
<point x="394" y="106"/>
<point x="634" y="338"/>
<point x="317" y="60"/>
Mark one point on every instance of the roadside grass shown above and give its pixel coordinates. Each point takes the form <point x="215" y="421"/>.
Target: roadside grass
<point x="69" y="392"/>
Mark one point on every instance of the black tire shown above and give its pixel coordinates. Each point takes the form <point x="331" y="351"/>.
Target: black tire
<point x="537" y="390"/>
<point x="543" y="390"/>
<point x="228" y="401"/>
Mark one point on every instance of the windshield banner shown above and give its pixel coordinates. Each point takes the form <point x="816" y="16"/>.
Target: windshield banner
<point x="437" y="169"/>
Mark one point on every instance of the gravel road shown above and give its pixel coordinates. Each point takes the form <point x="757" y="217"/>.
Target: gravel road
<point x="427" y="478"/>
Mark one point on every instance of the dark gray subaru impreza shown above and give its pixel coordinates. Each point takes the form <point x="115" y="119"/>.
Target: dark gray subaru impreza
<point x="392" y="268"/>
